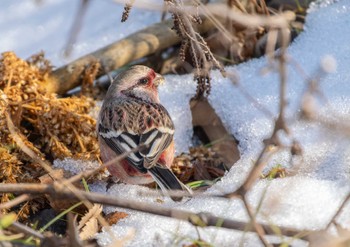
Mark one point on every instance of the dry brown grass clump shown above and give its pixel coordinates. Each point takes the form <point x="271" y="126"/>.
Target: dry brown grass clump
<point x="51" y="127"/>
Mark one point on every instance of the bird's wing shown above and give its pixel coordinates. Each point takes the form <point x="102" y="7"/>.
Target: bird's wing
<point x="156" y="141"/>
<point x="125" y="124"/>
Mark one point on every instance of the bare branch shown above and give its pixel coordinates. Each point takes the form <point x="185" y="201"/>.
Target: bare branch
<point x="16" y="201"/>
<point x="26" y="230"/>
<point x="197" y="219"/>
<point x="258" y="228"/>
<point x="76" y="27"/>
<point x="346" y="200"/>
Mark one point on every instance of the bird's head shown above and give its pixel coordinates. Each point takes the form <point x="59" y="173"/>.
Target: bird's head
<point x="138" y="81"/>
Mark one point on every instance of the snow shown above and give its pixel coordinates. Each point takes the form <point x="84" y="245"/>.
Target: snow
<point x="28" y="27"/>
<point x="313" y="191"/>
<point x="75" y="166"/>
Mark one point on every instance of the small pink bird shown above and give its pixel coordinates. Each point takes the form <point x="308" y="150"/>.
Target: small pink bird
<point x="132" y="115"/>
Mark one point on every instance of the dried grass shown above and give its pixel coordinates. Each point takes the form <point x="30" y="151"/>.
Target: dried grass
<point x="51" y="127"/>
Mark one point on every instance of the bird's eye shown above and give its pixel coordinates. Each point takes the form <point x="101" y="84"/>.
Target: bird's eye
<point x="143" y="81"/>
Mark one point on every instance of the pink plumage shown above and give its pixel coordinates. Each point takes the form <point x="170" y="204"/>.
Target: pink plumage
<point x="131" y="115"/>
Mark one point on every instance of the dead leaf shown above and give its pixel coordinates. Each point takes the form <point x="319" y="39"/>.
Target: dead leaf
<point x="114" y="217"/>
<point x="57" y="203"/>
<point x="89" y="224"/>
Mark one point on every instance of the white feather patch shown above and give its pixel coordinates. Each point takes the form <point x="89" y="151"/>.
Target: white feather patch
<point x="151" y="137"/>
<point x="125" y="146"/>
<point x="110" y="134"/>
<point x="166" y="130"/>
<point x="134" y="157"/>
<point x="154" y="148"/>
<point x="128" y="149"/>
<point x="129" y="141"/>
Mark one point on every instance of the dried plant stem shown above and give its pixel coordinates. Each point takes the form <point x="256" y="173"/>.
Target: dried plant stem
<point x="265" y="154"/>
<point x="17" y="138"/>
<point x="197" y="219"/>
<point x="221" y="11"/>
<point x="250" y="98"/>
<point x="76" y="27"/>
<point x="254" y="174"/>
<point x="89" y="173"/>
<point x="258" y="228"/>
<point x="16" y="201"/>
<point x="346" y="200"/>
<point x="280" y="124"/>
<point x="26" y="230"/>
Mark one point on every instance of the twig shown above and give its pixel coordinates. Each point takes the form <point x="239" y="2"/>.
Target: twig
<point x="232" y="77"/>
<point x="16" y="137"/>
<point x="220" y="10"/>
<point x="76" y="27"/>
<point x="73" y="232"/>
<point x="338" y="211"/>
<point x="16" y="201"/>
<point x="109" y="163"/>
<point x="27" y="230"/>
<point x="197" y="219"/>
<point x="258" y="228"/>
<point x="280" y="124"/>
<point x="254" y="174"/>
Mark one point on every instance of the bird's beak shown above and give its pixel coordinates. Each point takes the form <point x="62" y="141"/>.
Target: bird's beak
<point x="158" y="80"/>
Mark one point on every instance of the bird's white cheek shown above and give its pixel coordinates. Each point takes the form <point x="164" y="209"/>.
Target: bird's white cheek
<point x="145" y="94"/>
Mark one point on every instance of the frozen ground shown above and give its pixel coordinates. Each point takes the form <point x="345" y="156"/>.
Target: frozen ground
<point x="305" y="200"/>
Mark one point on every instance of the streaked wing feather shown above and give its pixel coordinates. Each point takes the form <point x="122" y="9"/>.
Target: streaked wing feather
<point x="156" y="142"/>
<point x="133" y="122"/>
<point x="125" y="142"/>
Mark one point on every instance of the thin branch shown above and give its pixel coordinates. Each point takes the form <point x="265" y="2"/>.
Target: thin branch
<point x="76" y="27"/>
<point x="89" y="173"/>
<point x="221" y="11"/>
<point x="338" y="211"/>
<point x="197" y="219"/>
<point x="254" y="174"/>
<point x="19" y="141"/>
<point x="233" y="78"/>
<point x="16" y="201"/>
<point x="26" y="230"/>
<point x="280" y="123"/>
<point x="258" y="228"/>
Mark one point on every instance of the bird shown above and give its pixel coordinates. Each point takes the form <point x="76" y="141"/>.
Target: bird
<point x="132" y="120"/>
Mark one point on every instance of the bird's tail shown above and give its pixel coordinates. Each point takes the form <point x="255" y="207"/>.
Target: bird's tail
<point x="167" y="180"/>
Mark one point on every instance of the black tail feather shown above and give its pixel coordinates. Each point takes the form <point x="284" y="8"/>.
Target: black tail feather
<point x="167" y="180"/>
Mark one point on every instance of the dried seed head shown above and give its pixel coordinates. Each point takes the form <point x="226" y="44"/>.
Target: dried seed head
<point x="127" y="9"/>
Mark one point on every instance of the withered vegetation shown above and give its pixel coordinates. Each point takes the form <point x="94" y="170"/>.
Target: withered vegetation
<point x="50" y="126"/>
<point x="201" y="163"/>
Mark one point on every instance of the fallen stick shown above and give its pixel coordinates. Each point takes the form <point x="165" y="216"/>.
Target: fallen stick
<point x="135" y="46"/>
